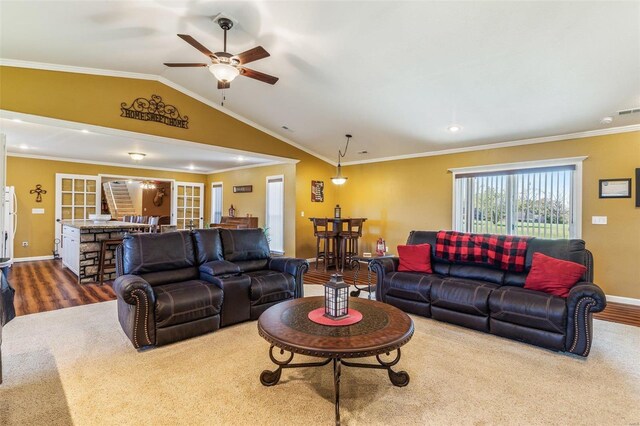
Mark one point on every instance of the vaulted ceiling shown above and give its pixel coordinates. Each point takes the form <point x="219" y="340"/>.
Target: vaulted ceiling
<point x="394" y="74"/>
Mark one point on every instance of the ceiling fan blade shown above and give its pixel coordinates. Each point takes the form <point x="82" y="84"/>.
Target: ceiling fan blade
<point x="266" y="78"/>
<point x="193" y="42"/>
<point x="222" y="85"/>
<point x="171" y="64"/>
<point x="252" y="55"/>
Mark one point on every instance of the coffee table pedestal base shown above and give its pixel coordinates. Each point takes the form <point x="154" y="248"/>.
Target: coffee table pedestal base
<point x="271" y="378"/>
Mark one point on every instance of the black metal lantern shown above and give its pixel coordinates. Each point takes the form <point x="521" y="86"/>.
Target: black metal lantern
<point x="336" y="298"/>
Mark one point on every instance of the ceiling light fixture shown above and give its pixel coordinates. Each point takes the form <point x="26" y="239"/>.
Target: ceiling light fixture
<point x="84" y="131"/>
<point x="225" y="73"/>
<point x="17" y="120"/>
<point x="23" y="146"/>
<point x="191" y="167"/>
<point x="148" y="185"/>
<point x="137" y="156"/>
<point x="454" y="128"/>
<point x="241" y="159"/>
<point x="338" y="179"/>
<point x="607" y="120"/>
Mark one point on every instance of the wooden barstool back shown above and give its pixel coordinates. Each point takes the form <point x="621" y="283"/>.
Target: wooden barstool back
<point x="326" y="240"/>
<point x="349" y="241"/>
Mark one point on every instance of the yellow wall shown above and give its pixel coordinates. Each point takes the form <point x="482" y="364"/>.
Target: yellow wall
<point x="96" y="100"/>
<point x="399" y="196"/>
<point x="254" y="203"/>
<point x="39" y="229"/>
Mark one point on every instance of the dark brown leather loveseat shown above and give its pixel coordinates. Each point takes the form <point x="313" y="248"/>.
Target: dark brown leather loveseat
<point x="494" y="301"/>
<point x="178" y="285"/>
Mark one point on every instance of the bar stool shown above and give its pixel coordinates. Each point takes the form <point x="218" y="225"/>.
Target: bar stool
<point x="105" y="244"/>
<point x="328" y="238"/>
<point x="349" y="241"/>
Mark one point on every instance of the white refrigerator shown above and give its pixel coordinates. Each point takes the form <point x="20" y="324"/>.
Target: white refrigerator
<point x="10" y="222"/>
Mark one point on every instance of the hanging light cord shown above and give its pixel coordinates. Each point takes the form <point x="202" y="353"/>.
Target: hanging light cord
<point x="340" y="154"/>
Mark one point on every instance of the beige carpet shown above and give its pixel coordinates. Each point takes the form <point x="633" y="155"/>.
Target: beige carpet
<point x="75" y="366"/>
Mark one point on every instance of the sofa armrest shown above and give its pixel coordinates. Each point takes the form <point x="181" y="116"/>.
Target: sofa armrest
<point x="383" y="266"/>
<point x="292" y="266"/>
<point x="131" y="287"/>
<point x="136" y="309"/>
<point x="584" y="299"/>
<point x="219" y="267"/>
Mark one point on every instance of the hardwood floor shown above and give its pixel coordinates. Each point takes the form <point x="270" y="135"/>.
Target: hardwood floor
<point x="45" y="285"/>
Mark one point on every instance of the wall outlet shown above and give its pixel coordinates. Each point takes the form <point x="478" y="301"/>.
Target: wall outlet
<point x="37" y="211"/>
<point x="302" y="213"/>
<point x="599" y="220"/>
<point x="25" y="244"/>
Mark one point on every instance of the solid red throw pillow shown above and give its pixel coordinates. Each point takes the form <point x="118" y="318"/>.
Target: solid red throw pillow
<point x="415" y="258"/>
<point x="553" y="275"/>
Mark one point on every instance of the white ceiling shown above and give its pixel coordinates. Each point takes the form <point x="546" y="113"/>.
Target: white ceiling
<point x="394" y="74"/>
<point x="79" y="143"/>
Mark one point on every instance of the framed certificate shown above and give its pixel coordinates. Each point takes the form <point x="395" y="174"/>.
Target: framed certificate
<point x="615" y="188"/>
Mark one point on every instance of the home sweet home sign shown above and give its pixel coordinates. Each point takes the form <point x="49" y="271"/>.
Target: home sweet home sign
<point x="154" y="109"/>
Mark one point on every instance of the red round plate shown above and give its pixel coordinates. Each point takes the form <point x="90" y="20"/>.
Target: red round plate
<point x="317" y="316"/>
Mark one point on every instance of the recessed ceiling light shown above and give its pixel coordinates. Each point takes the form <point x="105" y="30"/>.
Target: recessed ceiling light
<point x="607" y="120"/>
<point x="137" y="156"/>
<point x="240" y="158"/>
<point x="23" y="146"/>
<point x="17" y="120"/>
<point x="84" y="131"/>
<point x="454" y="128"/>
<point x="191" y="167"/>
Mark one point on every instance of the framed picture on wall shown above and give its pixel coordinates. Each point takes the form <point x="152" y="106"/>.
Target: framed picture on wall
<point x="637" y="188"/>
<point x="317" y="191"/>
<point x="615" y="188"/>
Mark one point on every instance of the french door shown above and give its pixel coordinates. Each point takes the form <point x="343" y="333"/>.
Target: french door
<point x="77" y="196"/>
<point x="189" y="205"/>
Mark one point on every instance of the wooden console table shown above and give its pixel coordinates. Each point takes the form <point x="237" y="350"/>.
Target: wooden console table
<point x="229" y="222"/>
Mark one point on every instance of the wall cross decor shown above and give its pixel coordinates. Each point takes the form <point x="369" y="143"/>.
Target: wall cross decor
<point x="38" y="191"/>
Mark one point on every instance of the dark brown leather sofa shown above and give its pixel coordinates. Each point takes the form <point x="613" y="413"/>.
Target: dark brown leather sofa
<point x="183" y="284"/>
<point x="494" y="301"/>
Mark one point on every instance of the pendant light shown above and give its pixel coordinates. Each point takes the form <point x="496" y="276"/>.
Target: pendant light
<point x="338" y="179"/>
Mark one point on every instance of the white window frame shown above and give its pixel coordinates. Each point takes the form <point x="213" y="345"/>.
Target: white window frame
<point x="266" y="214"/>
<point x="503" y="167"/>
<point x="213" y="207"/>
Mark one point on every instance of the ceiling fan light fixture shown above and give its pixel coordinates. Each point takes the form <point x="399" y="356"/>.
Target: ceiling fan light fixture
<point x="223" y="72"/>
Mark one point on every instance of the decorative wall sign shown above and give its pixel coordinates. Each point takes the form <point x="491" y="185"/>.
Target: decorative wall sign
<point x="615" y="188"/>
<point x="242" y="188"/>
<point x="317" y="191"/>
<point x="154" y="109"/>
<point x="38" y="191"/>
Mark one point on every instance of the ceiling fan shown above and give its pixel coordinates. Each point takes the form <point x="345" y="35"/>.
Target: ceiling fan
<point x="225" y="66"/>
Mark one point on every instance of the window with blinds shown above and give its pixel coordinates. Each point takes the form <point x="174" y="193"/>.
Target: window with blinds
<point x="216" y="202"/>
<point x="535" y="202"/>
<point x="275" y="213"/>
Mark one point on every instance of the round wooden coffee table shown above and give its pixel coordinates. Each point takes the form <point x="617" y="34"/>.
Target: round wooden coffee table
<point x="382" y="330"/>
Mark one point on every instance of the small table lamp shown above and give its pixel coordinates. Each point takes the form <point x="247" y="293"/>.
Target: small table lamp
<point x="336" y="298"/>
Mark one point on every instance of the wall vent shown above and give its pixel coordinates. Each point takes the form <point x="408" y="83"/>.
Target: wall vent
<point x="629" y="111"/>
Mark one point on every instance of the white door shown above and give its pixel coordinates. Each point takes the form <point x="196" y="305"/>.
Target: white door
<point x="189" y="205"/>
<point x="3" y="200"/>
<point x="274" y="217"/>
<point x="216" y="202"/>
<point x="77" y="196"/>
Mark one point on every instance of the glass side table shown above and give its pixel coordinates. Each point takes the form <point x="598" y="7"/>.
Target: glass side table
<point x="355" y="263"/>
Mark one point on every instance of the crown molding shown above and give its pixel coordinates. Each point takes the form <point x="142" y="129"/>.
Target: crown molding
<point x="105" y="163"/>
<point x="161" y="79"/>
<point x="253" y="166"/>
<point x="531" y="141"/>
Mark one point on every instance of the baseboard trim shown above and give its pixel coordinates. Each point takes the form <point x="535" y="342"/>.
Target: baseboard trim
<point x="32" y="259"/>
<point x="625" y="300"/>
